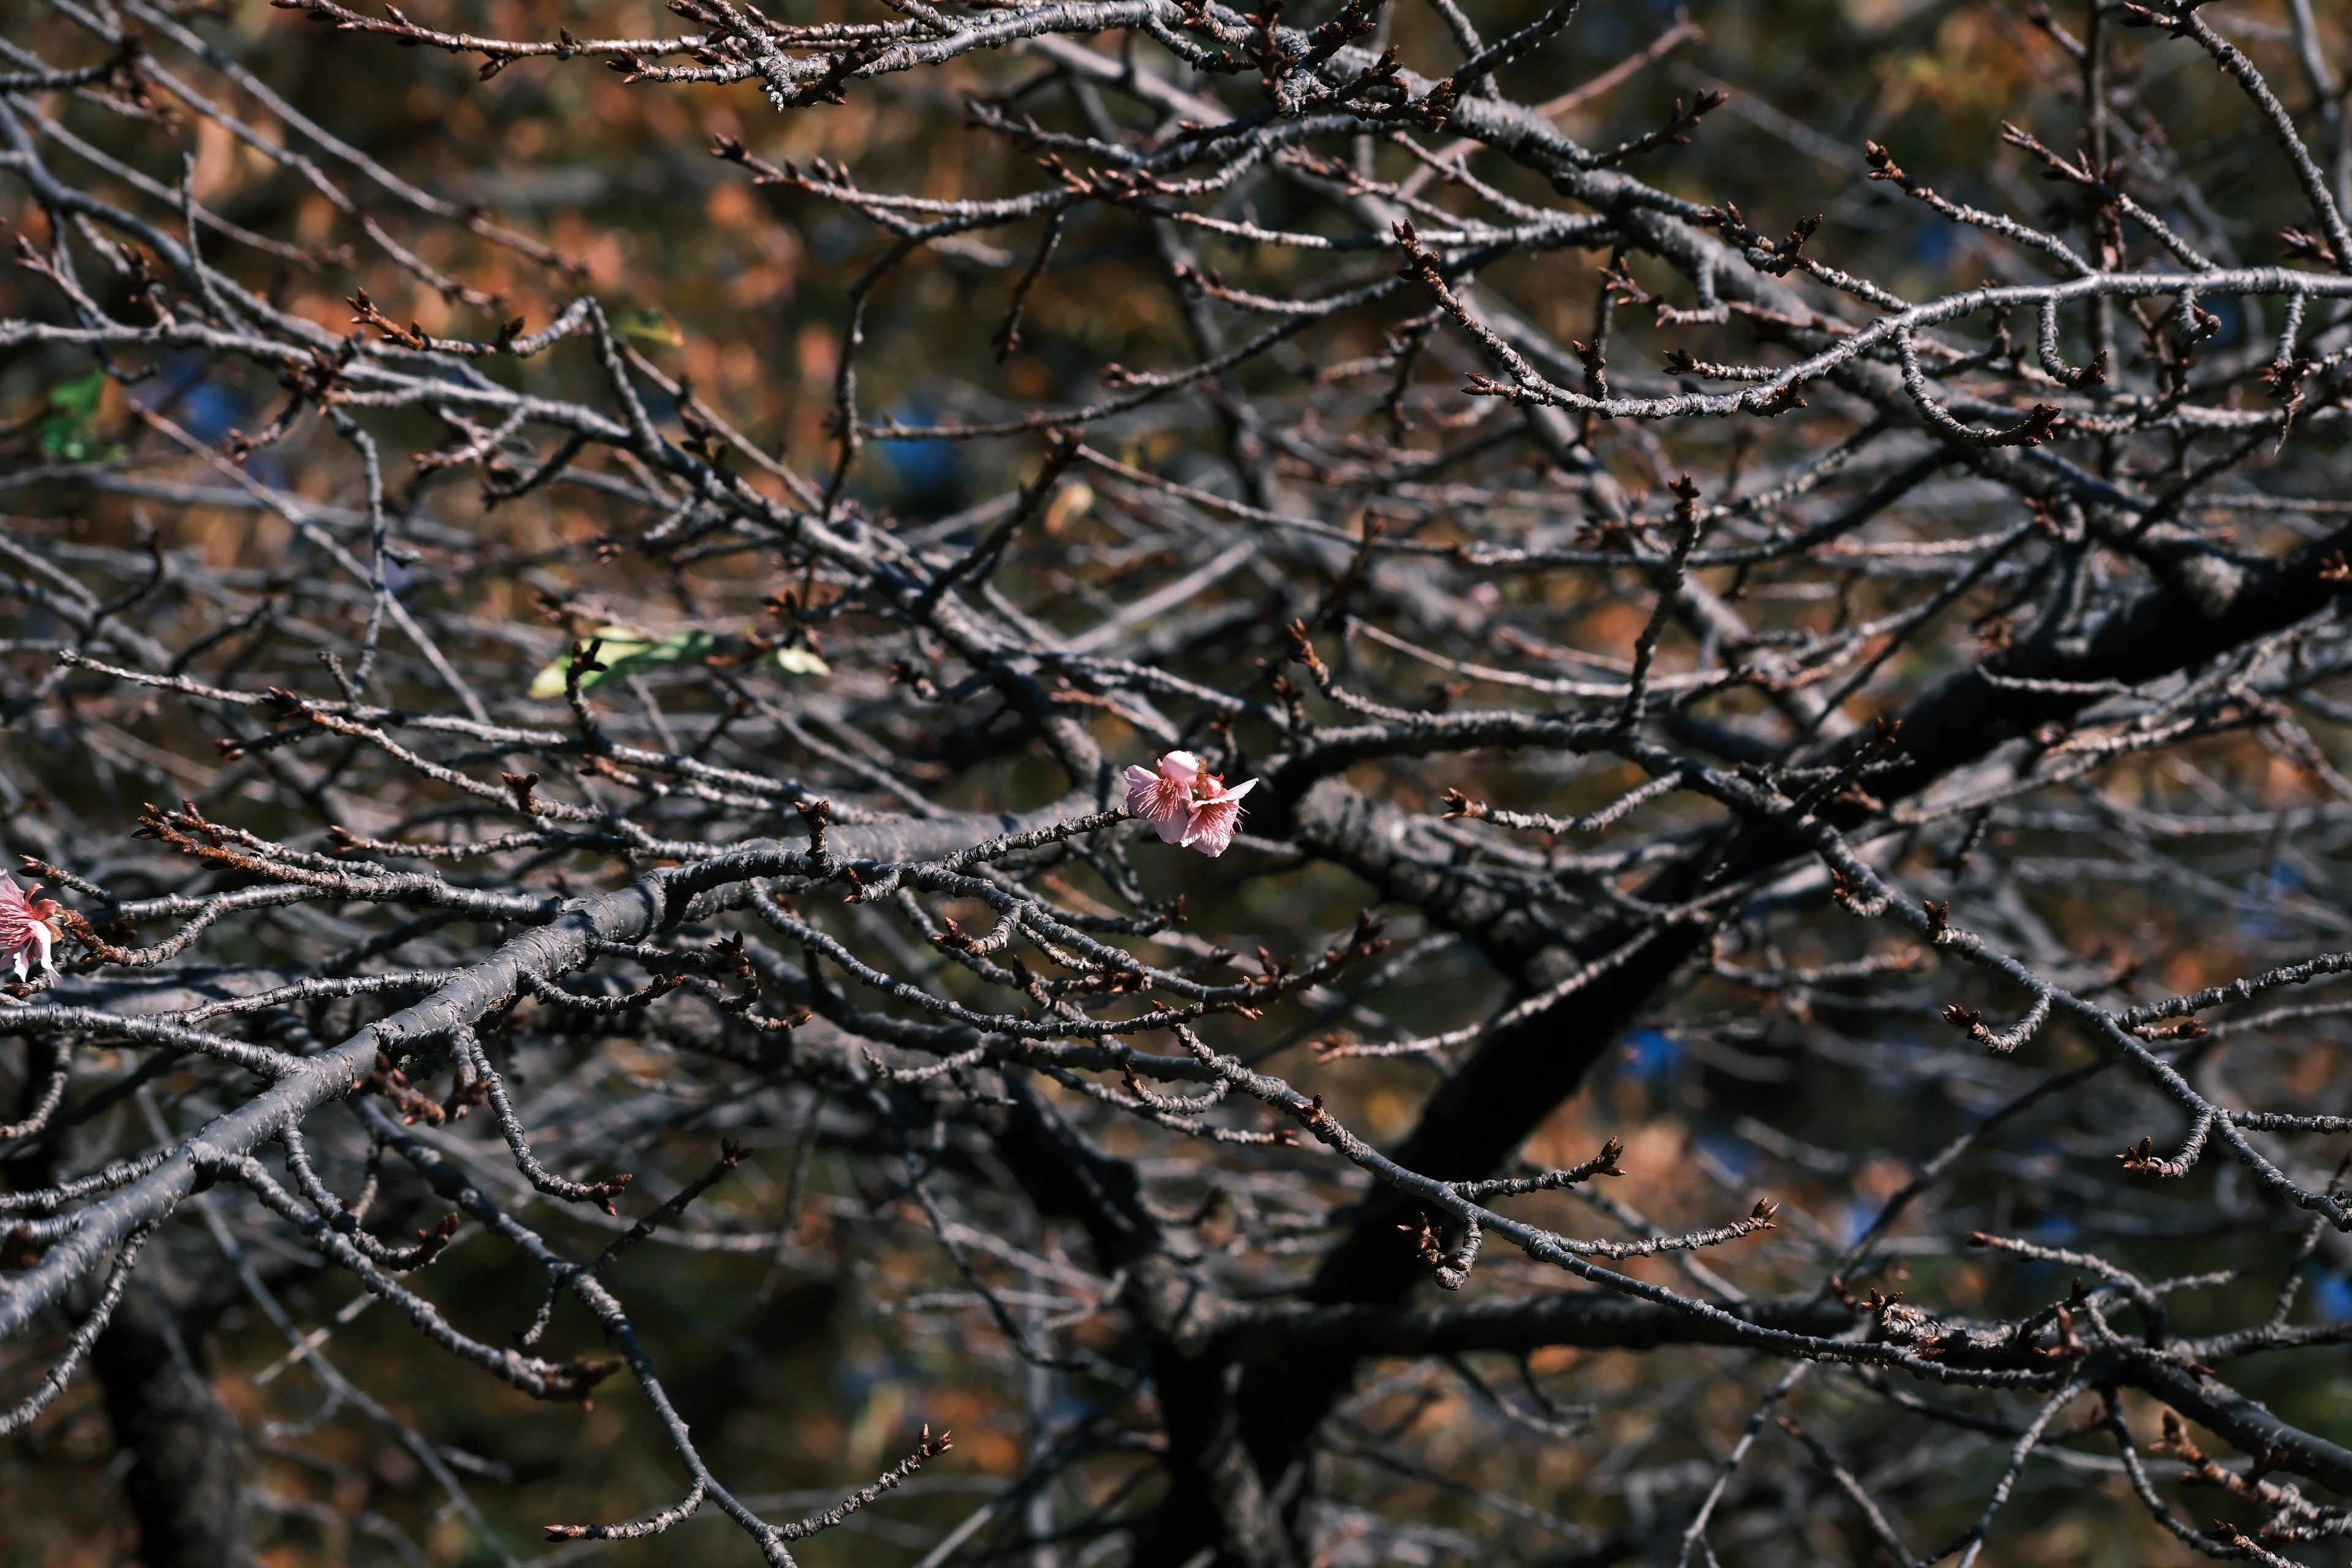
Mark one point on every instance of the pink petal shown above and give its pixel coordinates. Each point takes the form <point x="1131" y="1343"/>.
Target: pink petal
<point x="1142" y="792"/>
<point x="1153" y="798"/>
<point x="1182" y="767"/>
<point x="1212" y="827"/>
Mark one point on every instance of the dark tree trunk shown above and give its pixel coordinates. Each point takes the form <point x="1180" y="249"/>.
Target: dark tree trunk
<point x="186" y="1483"/>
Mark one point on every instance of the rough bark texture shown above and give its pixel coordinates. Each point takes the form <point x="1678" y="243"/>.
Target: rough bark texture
<point x="185" y="1484"/>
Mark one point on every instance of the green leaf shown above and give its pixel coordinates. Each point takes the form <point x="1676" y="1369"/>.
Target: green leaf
<point x="679" y="648"/>
<point x="653" y="326"/>
<point x="801" y="661"/>
<point x="68" y="433"/>
<point x="626" y="651"/>
<point x="80" y="396"/>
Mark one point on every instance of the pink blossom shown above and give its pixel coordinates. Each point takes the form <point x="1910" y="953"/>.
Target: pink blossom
<point x="27" y="927"/>
<point x="1165" y="797"/>
<point x="1191" y="807"/>
<point x="1216" y="812"/>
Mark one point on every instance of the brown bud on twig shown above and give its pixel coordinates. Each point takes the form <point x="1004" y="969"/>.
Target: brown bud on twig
<point x="521" y="784"/>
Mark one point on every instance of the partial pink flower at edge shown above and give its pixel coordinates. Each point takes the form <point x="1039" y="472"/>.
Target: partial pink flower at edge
<point x="27" y="926"/>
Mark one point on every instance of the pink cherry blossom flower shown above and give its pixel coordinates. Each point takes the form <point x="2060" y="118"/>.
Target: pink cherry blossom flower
<point x="27" y="927"/>
<point x="1216" y="812"/>
<point x="1164" y="794"/>
<point x="1191" y="807"/>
